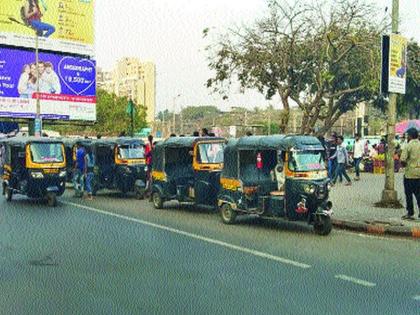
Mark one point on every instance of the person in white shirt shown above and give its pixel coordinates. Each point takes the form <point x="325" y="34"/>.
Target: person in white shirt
<point x="359" y="148"/>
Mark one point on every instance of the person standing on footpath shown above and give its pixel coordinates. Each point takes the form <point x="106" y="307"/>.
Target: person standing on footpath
<point x="410" y="159"/>
<point x="79" y="170"/>
<point x="359" y="148"/>
<point x="332" y="163"/>
<point x="342" y="158"/>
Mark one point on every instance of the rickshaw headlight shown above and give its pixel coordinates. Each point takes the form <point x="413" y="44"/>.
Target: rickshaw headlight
<point x="309" y="189"/>
<point x="63" y="174"/>
<point x="329" y="186"/>
<point x="37" y="175"/>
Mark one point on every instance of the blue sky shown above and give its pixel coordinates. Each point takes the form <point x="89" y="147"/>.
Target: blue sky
<point x="169" y="33"/>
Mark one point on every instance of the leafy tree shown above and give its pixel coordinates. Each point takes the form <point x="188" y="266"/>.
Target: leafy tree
<point x="322" y="57"/>
<point x="409" y="103"/>
<point x="192" y="113"/>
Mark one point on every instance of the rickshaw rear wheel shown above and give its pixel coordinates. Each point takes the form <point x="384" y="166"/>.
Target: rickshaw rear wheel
<point x="8" y="194"/>
<point x="52" y="199"/>
<point x="157" y="200"/>
<point x="323" y="225"/>
<point x="227" y="213"/>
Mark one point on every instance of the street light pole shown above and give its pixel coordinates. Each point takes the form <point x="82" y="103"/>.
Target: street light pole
<point x="389" y="194"/>
<point x="173" y="115"/>
<point x="38" y="121"/>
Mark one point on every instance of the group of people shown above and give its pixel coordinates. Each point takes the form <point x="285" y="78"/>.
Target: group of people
<point x="45" y="77"/>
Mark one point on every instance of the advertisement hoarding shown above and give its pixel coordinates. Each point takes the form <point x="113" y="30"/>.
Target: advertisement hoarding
<point x="67" y="85"/>
<point x="62" y="25"/>
<point x="397" y="63"/>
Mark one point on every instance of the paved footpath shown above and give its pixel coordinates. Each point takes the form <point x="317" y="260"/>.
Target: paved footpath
<point x="354" y="207"/>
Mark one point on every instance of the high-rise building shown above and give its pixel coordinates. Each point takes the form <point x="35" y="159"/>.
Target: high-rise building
<point x="134" y="79"/>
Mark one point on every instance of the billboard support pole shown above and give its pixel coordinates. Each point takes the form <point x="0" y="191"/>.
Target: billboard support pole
<point x="389" y="194"/>
<point x="38" y="123"/>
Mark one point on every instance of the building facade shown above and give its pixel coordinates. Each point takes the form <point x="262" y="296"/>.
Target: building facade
<point x="133" y="79"/>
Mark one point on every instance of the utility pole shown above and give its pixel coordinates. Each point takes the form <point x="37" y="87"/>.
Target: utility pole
<point x="182" y="121"/>
<point x="163" y="124"/>
<point x="35" y="127"/>
<point x="173" y="115"/>
<point x="389" y="194"/>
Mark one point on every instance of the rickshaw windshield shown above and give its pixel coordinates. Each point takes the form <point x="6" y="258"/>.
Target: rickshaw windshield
<point x="211" y="153"/>
<point x="133" y="151"/>
<point x="47" y="152"/>
<point x="305" y="161"/>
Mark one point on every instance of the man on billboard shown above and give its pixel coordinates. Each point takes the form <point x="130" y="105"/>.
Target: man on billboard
<point x="31" y="15"/>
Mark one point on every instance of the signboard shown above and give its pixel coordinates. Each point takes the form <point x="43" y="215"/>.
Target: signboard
<point x="62" y="25"/>
<point x="67" y="85"/>
<point x="397" y="63"/>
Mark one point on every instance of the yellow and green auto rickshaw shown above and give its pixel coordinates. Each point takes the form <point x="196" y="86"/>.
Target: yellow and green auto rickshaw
<point x="276" y="177"/>
<point x="35" y="167"/>
<point x="187" y="169"/>
<point x="120" y="164"/>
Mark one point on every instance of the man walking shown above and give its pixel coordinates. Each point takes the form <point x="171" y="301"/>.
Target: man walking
<point x="79" y="171"/>
<point x="359" y="148"/>
<point x="410" y="159"/>
<point x="332" y="163"/>
<point x="342" y="158"/>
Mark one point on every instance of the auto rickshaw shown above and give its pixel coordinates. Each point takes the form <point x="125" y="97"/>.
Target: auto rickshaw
<point x="187" y="169"/>
<point x="276" y="177"/>
<point x="35" y="167"/>
<point x="119" y="164"/>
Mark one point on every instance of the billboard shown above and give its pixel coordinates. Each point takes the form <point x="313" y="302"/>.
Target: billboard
<point x="397" y="63"/>
<point x="66" y="84"/>
<point x="61" y="25"/>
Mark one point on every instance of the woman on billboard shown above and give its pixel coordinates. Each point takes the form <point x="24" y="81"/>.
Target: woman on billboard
<point x="31" y="14"/>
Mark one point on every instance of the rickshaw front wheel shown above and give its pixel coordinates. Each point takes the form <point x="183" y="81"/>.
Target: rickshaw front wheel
<point x="8" y="194"/>
<point x="228" y="214"/>
<point x="52" y="199"/>
<point x="323" y="225"/>
<point x="157" y="200"/>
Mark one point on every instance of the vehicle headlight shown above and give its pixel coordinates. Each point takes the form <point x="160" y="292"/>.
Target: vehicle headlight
<point x="329" y="186"/>
<point x="309" y="189"/>
<point x="63" y="174"/>
<point x="37" y="175"/>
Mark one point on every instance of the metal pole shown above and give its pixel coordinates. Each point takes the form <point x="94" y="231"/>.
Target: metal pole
<point x="389" y="194"/>
<point x="38" y="133"/>
<point x="182" y="122"/>
<point x="173" y="115"/>
<point x="163" y="124"/>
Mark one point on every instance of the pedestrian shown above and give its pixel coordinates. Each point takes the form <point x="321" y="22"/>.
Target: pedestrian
<point x="78" y="172"/>
<point x="342" y="158"/>
<point x="248" y="133"/>
<point x="196" y="134"/>
<point x="204" y="132"/>
<point x="148" y="154"/>
<point x="89" y="166"/>
<point x="332" y="163"/>
<point x="359" y="148"/>
<point x="410" y="159"/>
<point x="172" y="135"/>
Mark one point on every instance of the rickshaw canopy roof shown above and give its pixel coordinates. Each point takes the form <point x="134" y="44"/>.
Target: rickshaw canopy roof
<point x="117" y="141"/>
<point x="276" y="142"/>
<point x="22" y="141"/>
<point x="185" y="142"/>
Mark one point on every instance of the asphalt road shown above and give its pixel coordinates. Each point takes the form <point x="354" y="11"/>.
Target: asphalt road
<point x="119" y="256"/>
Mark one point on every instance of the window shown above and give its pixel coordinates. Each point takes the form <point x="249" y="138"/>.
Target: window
<point x="132" y="151"/>
<point x="305" y="161"/>
<point x="211" y="153"/>
<point x="47" y="152"/>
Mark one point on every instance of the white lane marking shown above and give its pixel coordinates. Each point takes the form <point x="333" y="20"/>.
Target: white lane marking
<point x="417" y="297"/>
<point x="198" y="237"/>
<point x="355" y="280"/>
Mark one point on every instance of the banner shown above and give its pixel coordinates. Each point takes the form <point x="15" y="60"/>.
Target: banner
<point x="66" y="84"/>
<point x="61" y="25"/>
<point x="397" y="63"/>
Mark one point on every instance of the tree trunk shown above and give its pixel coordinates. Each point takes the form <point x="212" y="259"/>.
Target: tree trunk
<point x="285" y="114"/>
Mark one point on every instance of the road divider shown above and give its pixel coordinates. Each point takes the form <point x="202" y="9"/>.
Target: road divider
<point x="196" y="236"/>
<point x="356" y="281"/>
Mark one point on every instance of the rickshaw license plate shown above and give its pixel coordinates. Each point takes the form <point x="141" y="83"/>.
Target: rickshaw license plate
<point x="51" y="171"/>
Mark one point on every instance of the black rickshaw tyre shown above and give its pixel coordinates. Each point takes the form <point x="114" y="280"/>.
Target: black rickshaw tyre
<point x="52" y="199"/>
<point x="8" y="193"/>
<point x="227" y="214"/>
<point x="157" y="200"/>
<point x="323" y="225"/>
